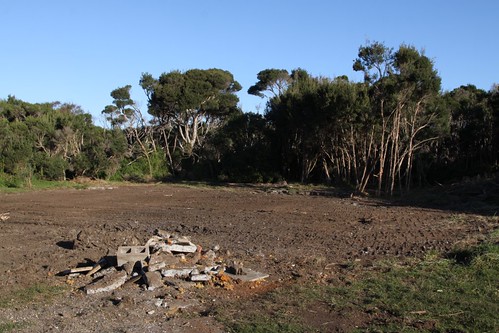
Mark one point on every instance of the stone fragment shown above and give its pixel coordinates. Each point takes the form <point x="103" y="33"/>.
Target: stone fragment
<point x="153" y="241"/>
<point x="200" y="277"/>
<point x="162" y="233"/>
<point x="179" y="272"/>
<point x="109" y="282"/>
<point x="178" y="248"/>
<point x="128" y="267"/>
<point x="160" y="260"/>
<point x="153" y="280"/>
<point x="104" y="272"/>
<point x="208" y="259"/>
<point x="184" y="240"/>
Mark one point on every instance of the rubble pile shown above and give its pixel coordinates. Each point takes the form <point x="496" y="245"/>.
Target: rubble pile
<point x="164" y="260"/>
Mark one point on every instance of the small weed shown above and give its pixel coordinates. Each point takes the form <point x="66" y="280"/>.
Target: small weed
<point x="454" y="294"/>
<point x="10" y="326"/>
<point x="35" y="293"/>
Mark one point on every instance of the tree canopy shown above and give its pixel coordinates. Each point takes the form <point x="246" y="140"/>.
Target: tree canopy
<point x="392" y="131"/>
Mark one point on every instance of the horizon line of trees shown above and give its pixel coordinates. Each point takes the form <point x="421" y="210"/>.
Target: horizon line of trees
<point x="394" y="130"/>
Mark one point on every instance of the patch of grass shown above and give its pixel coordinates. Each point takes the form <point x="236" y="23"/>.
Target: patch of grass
<point x="10" y="326"/>
<point x="35" y="293"/>
<point x="270" y="315"/>
<point x="456" y="294"/>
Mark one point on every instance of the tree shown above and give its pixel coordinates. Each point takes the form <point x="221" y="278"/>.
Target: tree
<point x="403" y="85"/>
<point x="124" y="113"/>
<point x="274" y="81"/>
<point x="187" y="106"/>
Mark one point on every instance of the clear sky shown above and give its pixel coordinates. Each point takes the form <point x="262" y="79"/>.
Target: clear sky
<point x="79" y="51"/>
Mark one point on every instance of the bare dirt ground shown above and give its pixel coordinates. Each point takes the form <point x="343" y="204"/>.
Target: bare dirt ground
<point x="294" y="238"/>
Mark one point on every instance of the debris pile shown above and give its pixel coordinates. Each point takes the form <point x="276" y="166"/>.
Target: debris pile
<point x="164" y="260"/>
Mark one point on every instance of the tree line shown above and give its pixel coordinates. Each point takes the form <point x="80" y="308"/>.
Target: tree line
<point x="395" y="130"/>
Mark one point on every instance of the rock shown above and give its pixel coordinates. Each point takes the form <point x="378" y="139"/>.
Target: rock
<point x="129" y="266"/>
<point x="105" y="272"/>
<point x="160" y="260"/>
<point x="178" y="248"/>
<point x="109" y="282"/>
<point x="82" y="240"/>
<point x="179" y="272"/>
<point x="208" y="259"/>
<point x="162" y="233"/>
<point x="154" y="241"/>
<point x="200" y="277"/>
<point x="153" y="280"/>
<point x="184" y="240"/>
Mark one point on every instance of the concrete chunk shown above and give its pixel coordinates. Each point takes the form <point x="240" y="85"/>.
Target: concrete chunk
<point x="153" y="280"/>
<point x="160" y="260"/>
<point x="179" y="272"/>
<point x="178" y="248"/>
<point x="200" y="278"/>
<point x="109" y="282"/>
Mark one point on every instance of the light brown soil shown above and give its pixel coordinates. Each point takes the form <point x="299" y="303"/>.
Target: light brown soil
<point x="293" y="238"/>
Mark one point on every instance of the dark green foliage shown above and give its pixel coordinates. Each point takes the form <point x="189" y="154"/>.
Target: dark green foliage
<point x="386" y="134"/>
<point x="187" y="107"/>
<point x="54" y="141"/>
<point x="242" y="149"/>
<point x="274" y="81"/>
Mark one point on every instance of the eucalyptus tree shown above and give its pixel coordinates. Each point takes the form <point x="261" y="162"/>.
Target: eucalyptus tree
<point x="403" y="86"/>
<point x="126" y="115"/>
<point x="186" y="106"/>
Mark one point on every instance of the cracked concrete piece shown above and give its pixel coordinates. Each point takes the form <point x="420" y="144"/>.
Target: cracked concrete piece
<point x="104" y="272"/>
<point x="109" y="282"/>
<point x="180" y="248"/>
<point x="180" y="272"/>
<point x="153" y="280"/>
<point x="160" y="260"/>
<point x="200" y="278"/>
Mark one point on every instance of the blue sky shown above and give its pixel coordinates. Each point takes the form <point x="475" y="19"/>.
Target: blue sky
<point x="79" y="51"/>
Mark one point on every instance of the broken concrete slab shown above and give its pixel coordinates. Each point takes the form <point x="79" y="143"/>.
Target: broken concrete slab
<point x="248" y="276"/>
<point x="178" y="248"/>
<point x="104" y="272"/>
<point x="160" y="260"/>
<point x="177" y="272"/>
<point x="131" y="253"/>
<point x="109" y="282"/>
<point x="153" y="280"/>
<point x="200" y="277"/>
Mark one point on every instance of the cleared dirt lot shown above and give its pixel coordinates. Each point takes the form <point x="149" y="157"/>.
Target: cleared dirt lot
<point x="294" y="238"/>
